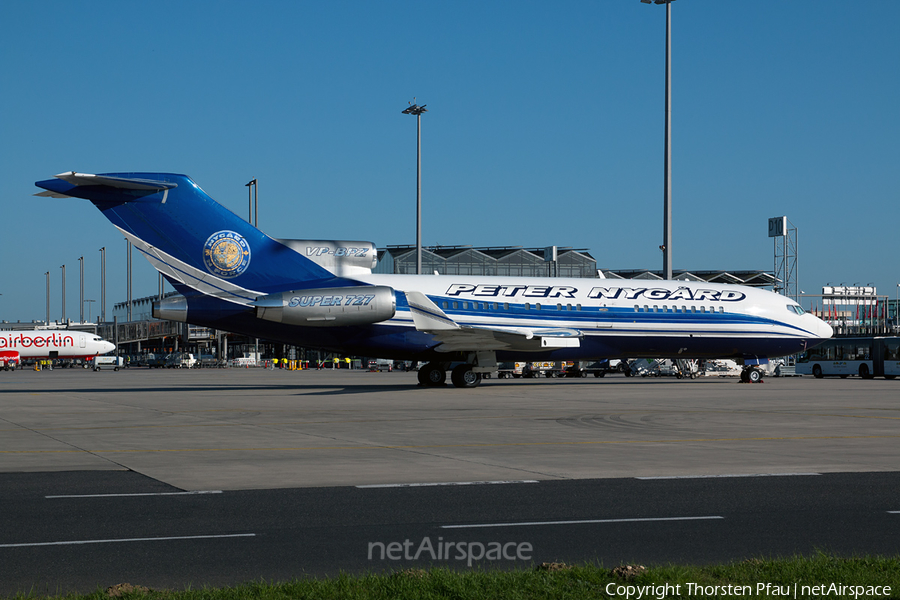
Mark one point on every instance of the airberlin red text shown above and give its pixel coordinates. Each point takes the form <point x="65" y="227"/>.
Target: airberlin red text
<point x="54" y="340"/>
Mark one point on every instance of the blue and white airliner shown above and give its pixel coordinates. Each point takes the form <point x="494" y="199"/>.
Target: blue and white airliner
<point x="323" y="294"/>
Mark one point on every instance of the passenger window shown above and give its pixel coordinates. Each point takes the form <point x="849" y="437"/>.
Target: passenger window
<point x="506" y="306"/>
<point x="496" y="306"/>
<point x="577" y="307"/>
<point x="527" y="306"/>
<point x="446" y="305"/>
<point x="537" y="306"/>
<point x="455" y="305"/>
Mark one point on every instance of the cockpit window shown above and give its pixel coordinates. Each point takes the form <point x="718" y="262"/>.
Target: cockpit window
<point x="796" y="308"/>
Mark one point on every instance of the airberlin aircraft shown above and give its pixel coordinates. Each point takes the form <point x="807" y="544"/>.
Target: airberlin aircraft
<point x="323" y="294"/>
<point x="50" y="343"/>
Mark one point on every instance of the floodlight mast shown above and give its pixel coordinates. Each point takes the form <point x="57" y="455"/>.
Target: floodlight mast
<point x="417" y="110"/>
<point x="666" y="246"/>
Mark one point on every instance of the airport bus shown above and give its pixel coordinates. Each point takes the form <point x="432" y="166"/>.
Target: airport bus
<point x="866" y="357"/>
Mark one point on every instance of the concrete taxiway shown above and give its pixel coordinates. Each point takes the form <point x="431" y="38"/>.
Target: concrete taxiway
<point x="234" y="429"/>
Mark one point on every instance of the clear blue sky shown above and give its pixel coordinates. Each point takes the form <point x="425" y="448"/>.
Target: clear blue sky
<point x="545" y="127"/>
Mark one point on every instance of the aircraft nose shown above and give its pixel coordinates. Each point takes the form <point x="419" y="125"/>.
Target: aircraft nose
<point x="824" y="330"/>
<point x="109" y="347"/>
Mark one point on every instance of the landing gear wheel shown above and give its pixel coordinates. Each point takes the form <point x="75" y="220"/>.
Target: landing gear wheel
<point x="432" y="375"/>
<point x="463" y="376"/>
<point x="751" y="375"/>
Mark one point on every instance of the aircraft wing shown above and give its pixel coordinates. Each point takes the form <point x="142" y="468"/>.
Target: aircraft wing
<point x="456" y="337"/>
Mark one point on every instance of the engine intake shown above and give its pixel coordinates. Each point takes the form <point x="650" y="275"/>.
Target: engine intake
<point x="329" y="307"/>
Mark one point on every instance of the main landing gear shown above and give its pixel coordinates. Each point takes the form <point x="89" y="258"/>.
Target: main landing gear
<point x="435" y="374"/>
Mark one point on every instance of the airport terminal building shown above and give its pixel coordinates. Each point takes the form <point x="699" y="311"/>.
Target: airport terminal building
<point x="489" y="260"/>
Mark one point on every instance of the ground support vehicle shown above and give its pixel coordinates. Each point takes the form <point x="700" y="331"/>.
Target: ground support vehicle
<point x="180" y="360"/>
<point x="381" y="364"/>
<point x="155" y="361"/>
<point x="9" y="360"/>
<point x="108" y="362"/>
<point x="645" y="367"/>
<point x="597" y="368"/>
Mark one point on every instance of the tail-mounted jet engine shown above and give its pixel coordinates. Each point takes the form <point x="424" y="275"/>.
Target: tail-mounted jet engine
<point x="329" y="307"/>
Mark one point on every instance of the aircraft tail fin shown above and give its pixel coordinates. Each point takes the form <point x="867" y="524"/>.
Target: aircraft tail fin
<point x="189" y="237"/>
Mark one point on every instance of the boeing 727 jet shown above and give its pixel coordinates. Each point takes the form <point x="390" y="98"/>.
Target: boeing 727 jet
<point x="323" y="294"/>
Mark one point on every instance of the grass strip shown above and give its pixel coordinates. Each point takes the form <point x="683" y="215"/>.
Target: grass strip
<point x="819" y="576"/>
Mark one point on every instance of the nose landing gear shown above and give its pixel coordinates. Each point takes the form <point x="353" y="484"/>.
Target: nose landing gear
<point x="752" y="375"/>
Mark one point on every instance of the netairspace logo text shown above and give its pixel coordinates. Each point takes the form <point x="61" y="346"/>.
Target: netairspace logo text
<point x="825" y="590"/>
<point x="467" y="551"/>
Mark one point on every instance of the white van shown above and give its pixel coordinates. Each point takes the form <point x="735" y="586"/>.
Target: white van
<point x="108" y="362"/>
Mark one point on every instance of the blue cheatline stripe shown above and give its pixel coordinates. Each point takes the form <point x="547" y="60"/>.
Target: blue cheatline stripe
<point x="589" y="321"/>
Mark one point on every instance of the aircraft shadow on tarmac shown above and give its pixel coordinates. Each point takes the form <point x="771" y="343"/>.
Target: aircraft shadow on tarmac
<point x="345" y="388"/>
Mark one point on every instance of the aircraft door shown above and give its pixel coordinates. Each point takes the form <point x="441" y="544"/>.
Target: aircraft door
<point x="81" y="341"/>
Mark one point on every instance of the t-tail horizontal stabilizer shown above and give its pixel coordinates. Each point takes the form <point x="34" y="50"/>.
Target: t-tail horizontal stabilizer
<point x="456" y="337"/>
<point x="60" y="189"/>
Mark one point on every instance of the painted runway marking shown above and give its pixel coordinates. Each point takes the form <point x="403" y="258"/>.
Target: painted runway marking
<point x="136" y="495"/>
<point x="152" y="539"/>
<point x="731" y="475"/>
<point x="587" y="521"/>
<point x="404" y="485"/>
<point x="427" y="446"/>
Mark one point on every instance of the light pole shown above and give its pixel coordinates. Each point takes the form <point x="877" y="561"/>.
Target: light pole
<point x="63" y="267"/>
<point x="417" y="110"/>
<point x="81" y="289"/>
<point x="128" y="278"/>
<point x="47" y="275"/>
<point x="89" y="310"/>
<point x="253" y="189"/>
<point x="667" y="170"/>
<point x="103" y="284"/>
